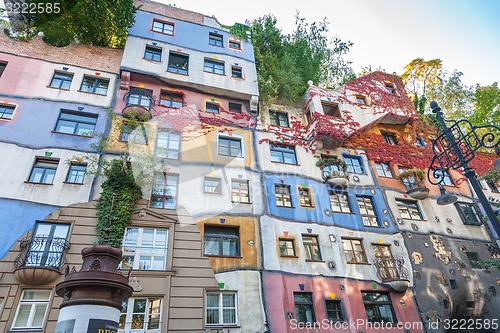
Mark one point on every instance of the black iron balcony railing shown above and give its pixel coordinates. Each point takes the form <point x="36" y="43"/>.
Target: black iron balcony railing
<point x="43" y="252"/>
<point x="391" y="269"/>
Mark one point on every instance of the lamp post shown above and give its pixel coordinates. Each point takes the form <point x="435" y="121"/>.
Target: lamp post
<point x="455" y="147"/>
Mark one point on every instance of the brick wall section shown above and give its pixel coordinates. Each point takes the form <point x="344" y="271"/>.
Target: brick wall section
<point x="170" y="11"/>
<point x="98" y="58"/>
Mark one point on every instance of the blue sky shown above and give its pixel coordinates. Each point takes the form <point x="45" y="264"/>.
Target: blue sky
<point x="465" y="34"/>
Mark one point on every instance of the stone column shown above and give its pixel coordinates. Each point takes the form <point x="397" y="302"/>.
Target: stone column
<point x="92" y="297"/>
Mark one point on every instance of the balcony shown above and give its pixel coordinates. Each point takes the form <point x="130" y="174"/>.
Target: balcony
<point x="334" y="170"/>
<point x="139" y="102"/>
<point x="41" y="260"/>
<point x="413" y="180"/>
<point x="393" y="273"/>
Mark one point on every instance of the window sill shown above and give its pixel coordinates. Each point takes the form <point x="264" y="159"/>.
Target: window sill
<point x="350" y="213"/>
<point x="412" y="220"/>
<point x="221" y="46"/>
<point x="285" y="206"/>
<point x="218" y="327"/>
<point x="92" y="93"/>
<point x="308" y="207"/>
<point x="153" y="61"/>
<point x="63" y="89"/>
<point x="313" y="260"/>
<point x="217" y="193"/>
<point x="12" y="330"/>
<point x="147" y="273"/>
<point x="70" y="183"/>
<point x="81" y="136"/>
<point x="223" y="74"/>
<point x="35" y="183"/>
<point x="159" y="32"/>
<point x="358" y="263"/>
<point x="285" y="163"/>
<point x="187" y="74"/>
<point x="374" y="226"/>
<point x="219" y="256"/>
<point x="239" y="202"/>
<point x="238" y="78"/>
<point x="289" y="257"/>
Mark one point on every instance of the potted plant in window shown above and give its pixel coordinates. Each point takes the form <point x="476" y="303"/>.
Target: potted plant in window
<point x="414" y="180"/>
<point x="334" y="170"/>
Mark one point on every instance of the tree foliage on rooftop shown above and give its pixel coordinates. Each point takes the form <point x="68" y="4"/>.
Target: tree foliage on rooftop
<point x="487" y="105"/>
<point x="96" y="22"/>
<point x="286" y="62"/>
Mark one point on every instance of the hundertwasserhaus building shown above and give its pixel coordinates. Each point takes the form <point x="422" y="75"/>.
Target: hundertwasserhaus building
<point x="254" y="218"/>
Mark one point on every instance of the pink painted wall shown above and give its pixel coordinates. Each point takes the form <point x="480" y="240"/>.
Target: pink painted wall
<point x="278" y="296"/>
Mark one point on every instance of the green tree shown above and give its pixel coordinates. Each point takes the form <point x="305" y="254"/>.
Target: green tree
<point x="418" y="75"/>
<point x="487" y="105"/>
<point x="96" y="22"/>
<point x="286" y="62"/>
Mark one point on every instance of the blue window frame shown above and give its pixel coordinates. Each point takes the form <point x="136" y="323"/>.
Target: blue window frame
<point x="76" y="173"/>
<point x="166" y="28"/>
<point x="171" y="99"/>
<point x="230" y="147"/>
<point x="283" y="154"/>
<point x="6" y="111"/>
<point x="78" y="123"/>
<point x="367" y="210"/>
<point x="178" y="63"/>
<point x="212" y="107"/>
<point x="354" y="164"/>
<point x="215" y="40"/>
<point x="95" y="85"/>
<point x="279" y="118"/>
<point x="44" y="170"/>
<point x="152" y="53"/>
<point x="212" y="66"/>
<point x="61" y="80"/>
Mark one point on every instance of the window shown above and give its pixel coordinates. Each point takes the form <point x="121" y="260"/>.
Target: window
<point x="32" y="309"/>
<point x="215" y="39"/>
<point x="385" y="262"/>
<point x="235" y="107"/>
<point x="283" y="198"/>
<point x="283" y="154"/>
<point x="409" y="210"/>
<point x="305" y="199"/>
<point x="330" y="109"/>
<point x="61" y="80"/>
<point x="493" y="187"/>
<point x="339" y="202"/>
<point x="237" y="72"/>
<point x="178" y="63"/>
<point x="378" y="307"/>
<point x="47" y="245"/>
<point x="240" y="191"/>
<point x="279" y="118"/>
<point x="311" y="247"/>
<point x="367" y="210"/>
<point x="166" y="28"/>
<point x="390" y="88"/>
<point x="212" y="185"/>
<point x="354" y="164"/>
<point x="469" y="213"/>
<point x="144" y="249"/>
<point x="164" y="193"/>
<point x="287" y="247"/>
<point x="212" y="107"/>
<point x="6" y="111"/>
<point x="152" y="53"/>
<point x="389" y="138"/>
<point x="334" y="310"/>
<point x="140" y="315"/>
<point x="230" y="147"/>
<point x="131" y="134"/>
<point x="222" y="241"/>
<point x="94" y="85"/>
<point x="76" y="173"/>
<point x="77" y="123"/>
<point x="383" y="170"/>
<point x="212" y="66"/>
<point x="354" y="251"/>
<point x="304" y="311"/>
<point x="139" y="96"/>
<point x="44" y="170"/>
<point x="221" y="308"/>
<point x="3" y="65"/>
<point x="168" y="144"/>
<point x="234" y="44"/>
<point x="360" y="99"/>
<point x="171" y="99"/>
<point x="409" y="181"/>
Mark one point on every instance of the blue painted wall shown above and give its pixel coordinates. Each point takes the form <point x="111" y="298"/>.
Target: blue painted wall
<point x="17" y="218"/>
<point x="34" y="120"/>
<point x="188" y="35"/>
<point x="321" y="202"/>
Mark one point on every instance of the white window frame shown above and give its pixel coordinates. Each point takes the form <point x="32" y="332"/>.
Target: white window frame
<point x="233" y="136"/>
<point x="135" y="254"/>
<point x="147" y="314"/>
<point x="31" y="315"/>
<point x="221" y="308"/>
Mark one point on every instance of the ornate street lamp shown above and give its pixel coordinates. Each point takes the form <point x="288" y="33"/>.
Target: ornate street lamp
<point x="454" y="148"/>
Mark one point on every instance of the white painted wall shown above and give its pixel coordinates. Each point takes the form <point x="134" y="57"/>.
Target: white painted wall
<point x="16" y="166"/>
